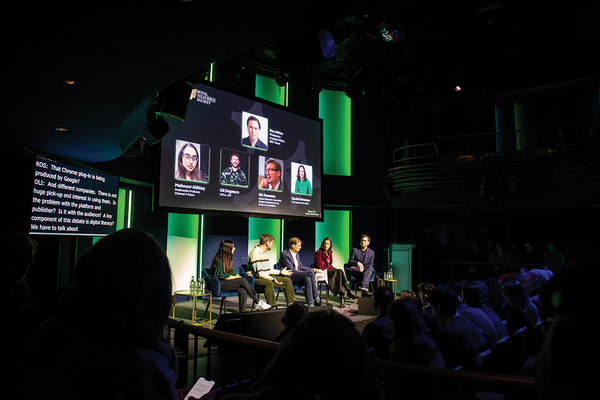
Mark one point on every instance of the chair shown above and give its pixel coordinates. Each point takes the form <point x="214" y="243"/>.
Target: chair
<point x="516" y="350"/>
<point x="353" y="280"/>
<point x="540" y="153"/>
<point x="466" y="160"/>
<point x="490" y="158"/>
<point x="535" y="339"/>
<point x="480" y="362"/>
<point x="321" y="278"/>
<point x="499" y="356"/>
<point x="214" y="285"/>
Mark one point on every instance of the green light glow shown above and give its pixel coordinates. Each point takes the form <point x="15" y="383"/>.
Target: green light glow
<point x="182" y="248"/>
<point x="122" y="200"/>
<point x="335" y="110"/>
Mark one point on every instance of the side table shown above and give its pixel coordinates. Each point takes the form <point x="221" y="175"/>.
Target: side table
<point x="194" y="296"/>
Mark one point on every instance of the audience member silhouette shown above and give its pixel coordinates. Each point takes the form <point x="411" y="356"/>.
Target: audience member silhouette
<point x="18" y="313"/>
<point x="471" y="296"/>
<point x="533" y="282"/>
<point x="494" y="297"/>
<point x="567" y="366"/>
<point x="410" y="344"/>
<point x="425" y="289"/>
<point x="503" y="310"/>
<point x="105" y="340"/>
<point x="522" y="311"/>
<point x="458" y="339"/>
<point x="292" y="317"/>
<point x="475" y="316"/>
<point x="531" y="255"/>
<point x="501" y="258"/>
<point x="378" y="333"/>
<point x="553" y="258"/>
<point x="411" y="297"/>
<point x="321" y="335"/>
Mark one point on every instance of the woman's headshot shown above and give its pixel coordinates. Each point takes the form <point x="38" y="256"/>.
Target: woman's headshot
<point x="302" y="185"/>
<point x="188" y="163"/>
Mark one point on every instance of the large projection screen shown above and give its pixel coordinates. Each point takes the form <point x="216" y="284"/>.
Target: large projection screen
<point x="241" y="155"/>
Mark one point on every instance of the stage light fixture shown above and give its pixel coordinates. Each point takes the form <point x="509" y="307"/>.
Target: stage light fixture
<point x="154" y="131"/>
<point x="281" y="79"/>
<point x="513" y="182"/>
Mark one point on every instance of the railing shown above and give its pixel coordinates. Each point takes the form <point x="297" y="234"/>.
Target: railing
<point x="526" y="168"/>
<point x="531" y="138"/>
<point x="262" y="350"/>
<point x="232" y="352"/>
<point x="461" y="161"/>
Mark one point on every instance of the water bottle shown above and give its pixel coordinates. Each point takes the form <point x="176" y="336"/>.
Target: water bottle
<point x="192" y="286"/>
<point x="200" y="285"/>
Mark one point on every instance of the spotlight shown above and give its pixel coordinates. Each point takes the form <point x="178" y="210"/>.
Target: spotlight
<point x="154" y="131"/>
<point x="281" y="79"/>
<point x="392" y="29"/>
<point x="513" y="182"/>
<point x="457" y="89"/>
<point x="353" y="91"/>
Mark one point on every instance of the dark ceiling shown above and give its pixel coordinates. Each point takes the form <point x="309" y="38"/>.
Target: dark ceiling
<point x="122" y="53"/>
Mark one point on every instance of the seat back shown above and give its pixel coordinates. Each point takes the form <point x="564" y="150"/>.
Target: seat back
<point x="516" y="350"/>
<point x="499" y="356"/>
<point x="481" y="362"/>
<point x="212" y="284"/>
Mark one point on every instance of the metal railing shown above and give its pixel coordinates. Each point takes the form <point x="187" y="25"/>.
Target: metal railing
<point x="532" y="156"/>
<point x="263" y="350"/>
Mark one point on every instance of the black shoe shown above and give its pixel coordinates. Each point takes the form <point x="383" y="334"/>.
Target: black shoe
<point x="352" y="296"/>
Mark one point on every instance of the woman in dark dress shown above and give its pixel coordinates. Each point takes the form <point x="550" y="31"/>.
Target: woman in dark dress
<point x="335" y="276"/>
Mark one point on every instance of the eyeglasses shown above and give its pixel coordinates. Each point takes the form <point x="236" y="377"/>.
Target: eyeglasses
<point x="270" y="169"/>
<point x="187" y="157"/>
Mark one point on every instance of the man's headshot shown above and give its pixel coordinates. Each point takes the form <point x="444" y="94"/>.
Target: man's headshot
<point x="233" y="173"/>
<point x="271" y="178"/>
<point x="253" y="129"/>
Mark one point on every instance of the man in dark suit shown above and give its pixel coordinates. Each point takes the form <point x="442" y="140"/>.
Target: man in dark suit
<point x="301" y="275"/>
<point x="361" y="263"/>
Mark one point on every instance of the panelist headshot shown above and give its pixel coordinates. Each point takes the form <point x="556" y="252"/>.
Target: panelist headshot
<point x="270" y="177"/>
<point x="188" y="162"/>
<point x="233" y="174"/>
<point x="254" y="131"/>
<point x="302" y="185"/>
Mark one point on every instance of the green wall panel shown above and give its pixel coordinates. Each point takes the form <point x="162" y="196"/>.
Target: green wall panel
<point x="334" y="109"/>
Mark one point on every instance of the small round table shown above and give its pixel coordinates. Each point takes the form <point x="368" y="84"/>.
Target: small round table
<point x="194" y="296"/>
